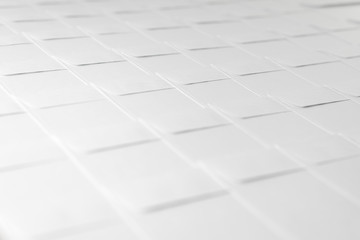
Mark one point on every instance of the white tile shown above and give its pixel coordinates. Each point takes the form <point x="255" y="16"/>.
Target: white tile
<point x="148" y="175"/>
<point x="135" y="44"/>
<point x="304" y="206"/>
<point x="121" y="78"/>
<point x="92" y="126"/>
<point x="80" y="51"/>
<point x="170" y="111"/>
<point x="48" y="89"/>
<point x="233" y="99"/>
<point x="289" y="88"/>
<point x="51" y="197"/>
<point x="27" y="58"/>
<point x="213" y="219"/>
<point x="179" y="69"/>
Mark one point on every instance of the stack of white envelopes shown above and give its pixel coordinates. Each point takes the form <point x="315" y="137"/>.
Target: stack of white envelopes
<point x="179" y="120"/>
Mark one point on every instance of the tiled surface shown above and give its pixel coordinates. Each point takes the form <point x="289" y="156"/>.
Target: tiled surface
<point x="179" y="119"/>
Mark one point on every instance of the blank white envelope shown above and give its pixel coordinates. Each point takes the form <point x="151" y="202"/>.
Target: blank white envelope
<point x="92" y="126"/>
<point x="51" y="197"/>
<point x="25" y="58"/>
<point x="148" y="176"/>
<point x="233" y="99"/>
<point x="289" y="88"/>
<point x="212" y="219"/>
<point x="121" y="78"/>
<point x="170" y="111"/>
<point x="179" y="69"/>
<point x="48" y="89"/>
<point x="80" y="51"/>
<point x="23" y="142"/>
<point x="299" y="202"/>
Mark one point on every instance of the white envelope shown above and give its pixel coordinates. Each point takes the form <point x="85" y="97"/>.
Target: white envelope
<point x="170" y="111"/>
<point x="25" y="58"/>
<point x="149" y="20"/>
<point x="233" y="61"/>
<point x="22" y="142"/>
<point x="238" y="32"/>
<point x="135" y="44"/>
<point x="51" y="198"/>
<point x="218" y="143"/>
<point x="120" y="78"/>
<point x="304" y="207"/>
<point x="211" y="219"/>
<point x="252" y="166"/>
<point x="239" y="10"/>
<point x="47" y="30"/>
<point x="284" y="128"/>
<point x="349" y="12"/>
<point x="322" y="21"/>
<point x="22" y="14"/>
<point x="328" y="44"/>
<point x="287" y="53"/>
<point x="109" y="232"/>
<point x="116" y="7"/>
<point x="201" y="14"/>
<point x="232" y="99"/>
<point x="9" y="37"/>
<point x="289" y="88"/>
<point x="72" y="9"/>
<point x="166" y="5"/>
<point x="321" y="149"/>
<point x="335" y="75"/>
<point x="344" y="174"/>
<point x="148" y="176"/>
<point x="179" y="69"/>
<point x="283" y="25"/>
<point x="80" y="51"/>
<point x="7" y="104"/>
<point x="186" y="38"/>
<point x="93" y="126"/>
<point x="341" y="117"/>
<point x="49" y="89"/>
<point x="98" y="25"/>
<point x="351" y="36"/>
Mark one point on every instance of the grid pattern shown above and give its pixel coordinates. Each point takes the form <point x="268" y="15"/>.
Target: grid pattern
<point x="179" y="119"/>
